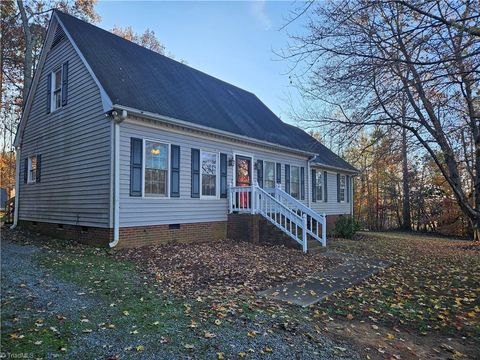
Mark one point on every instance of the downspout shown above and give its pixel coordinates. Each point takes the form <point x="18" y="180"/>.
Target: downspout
<point x="17" y="186"/>
<point x="118" y="119"/>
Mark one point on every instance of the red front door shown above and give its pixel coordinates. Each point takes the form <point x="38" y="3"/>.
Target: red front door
<point x="243" y="177"/>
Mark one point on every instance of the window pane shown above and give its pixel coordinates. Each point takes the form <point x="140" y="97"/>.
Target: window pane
<point x="208" y="185"/>
<point x="156" y="168"/>
<point x="269" y="174"/>
<point x="32" y="165"/>
<point x="58" y="79"/>
<point x="342" y="188"/>
<point x="319" y="185"/>
<point x="209" y="174"/>
<point x="295" y="181"/>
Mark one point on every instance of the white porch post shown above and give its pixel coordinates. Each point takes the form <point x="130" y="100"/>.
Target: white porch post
<point x="304" y="233"/>
<point x="324" y="230"/>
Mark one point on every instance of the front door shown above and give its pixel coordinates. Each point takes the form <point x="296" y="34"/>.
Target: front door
<point x="243" y="177"/>
<point x="243" y="171"/>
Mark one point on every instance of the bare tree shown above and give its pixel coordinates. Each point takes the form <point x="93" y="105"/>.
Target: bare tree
<point x="361" y="57"/>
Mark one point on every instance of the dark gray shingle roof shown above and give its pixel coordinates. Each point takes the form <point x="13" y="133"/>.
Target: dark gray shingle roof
<point x="136" y="77"/>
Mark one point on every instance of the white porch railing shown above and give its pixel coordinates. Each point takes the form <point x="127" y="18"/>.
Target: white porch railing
<point x="316" y="223"/>
<point x="281" y="211"/>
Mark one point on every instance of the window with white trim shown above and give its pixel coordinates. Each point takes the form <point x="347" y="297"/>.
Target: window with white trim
<point x="208" y="179"/>
<point x="156" y="169"/>
<point x="56" y="89"/>
<point x="342" y="188"/>
<point x="269" y="174"/>
<point x="319" y="185"/>
<point x="32" y="169"/>
<point x="295" y="181"/>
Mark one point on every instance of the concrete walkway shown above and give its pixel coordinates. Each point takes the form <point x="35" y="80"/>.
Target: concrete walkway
<point x="315" y="288"/>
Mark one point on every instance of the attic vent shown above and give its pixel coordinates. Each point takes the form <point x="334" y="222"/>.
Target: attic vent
<point x="58" y="37"/>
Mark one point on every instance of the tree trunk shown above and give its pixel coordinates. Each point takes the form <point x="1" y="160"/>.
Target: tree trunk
<point x="476" y="229"/>
<point x="407" y="221"/>
<point x="27" y="69"/>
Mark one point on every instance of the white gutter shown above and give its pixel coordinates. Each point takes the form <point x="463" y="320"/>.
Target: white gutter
<point x="187" y="124"/>
<point x="327" y="167"/>
<point x="118" y="119"/>
<point x="17" y="187"/>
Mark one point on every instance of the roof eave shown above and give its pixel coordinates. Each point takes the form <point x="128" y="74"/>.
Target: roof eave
<point x="325" y="166"/>
<point x="190" y="125"/>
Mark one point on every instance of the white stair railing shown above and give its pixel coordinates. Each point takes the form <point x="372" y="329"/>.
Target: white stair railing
<point x="316" y="223"/>
<point x="285" y="212"/>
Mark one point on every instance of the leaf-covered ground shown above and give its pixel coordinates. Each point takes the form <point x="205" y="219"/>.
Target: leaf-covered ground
<point x="64" y="300"/>
<point x="224" y="268"/>
<point x="433" y="288"/>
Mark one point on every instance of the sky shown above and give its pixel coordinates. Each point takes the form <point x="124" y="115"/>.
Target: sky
<point x="234" y="41"/>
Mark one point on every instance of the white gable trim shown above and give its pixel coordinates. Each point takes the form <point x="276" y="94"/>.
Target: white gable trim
<point x="106" y="102"/>
<point x="54" y="20"/>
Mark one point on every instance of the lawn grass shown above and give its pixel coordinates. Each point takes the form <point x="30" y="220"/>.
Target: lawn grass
<point x="433" y="285"/>
<point x="126" y="305"/>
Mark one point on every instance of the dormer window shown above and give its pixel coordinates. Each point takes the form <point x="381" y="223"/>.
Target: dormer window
<point x="57" y="89"/>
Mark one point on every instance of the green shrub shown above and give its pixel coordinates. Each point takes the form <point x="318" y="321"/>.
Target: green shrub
<point x="346" y="227"/>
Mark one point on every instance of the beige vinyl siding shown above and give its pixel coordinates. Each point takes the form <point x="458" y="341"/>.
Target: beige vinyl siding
<point x="75" y="144"/>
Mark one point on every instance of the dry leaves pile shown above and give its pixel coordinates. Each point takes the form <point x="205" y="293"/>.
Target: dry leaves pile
<point x="225" y="267"/>
<point x="434" y="284"/>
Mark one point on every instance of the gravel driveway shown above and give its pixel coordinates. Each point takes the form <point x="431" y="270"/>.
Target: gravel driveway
<point x="30" y="291"/>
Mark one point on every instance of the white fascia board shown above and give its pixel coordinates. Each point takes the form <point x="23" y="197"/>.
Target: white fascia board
<point x="189" y="125"/>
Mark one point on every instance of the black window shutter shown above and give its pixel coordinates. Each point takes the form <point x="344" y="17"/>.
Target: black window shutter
<point x="223" y="175"/>
<point x="136" y="159"/>
<point x="175" y="171"/>
<point x="302" y="183"/>
<point x="39" y="168"/>
<point x="25" y="171"/>
<point x="260" y="173"/>
<point x="314" y="185"/>
<point x="49" y="93"/>
<point x="287" y="179"/>
<point x="64" y="83"/>
<point x="279" y="173"/>
<point x="338" y="187"/>
<point x="195" y="173"/>
<point x="325" y="183"/>
<point x="347" y="179"/>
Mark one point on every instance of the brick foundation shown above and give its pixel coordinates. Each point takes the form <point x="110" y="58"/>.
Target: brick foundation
<point x="84" y="234"/>
<point x="240" y="227"/>
<point x="257" y="230"/>
<point x="160" y="234"/>
<point x="132" y="236"/>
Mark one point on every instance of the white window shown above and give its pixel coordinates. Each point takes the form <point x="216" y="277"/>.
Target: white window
<point x="295" y="181"/>
<point x="156" y="169"/>
<point x="57" y="89"/>
<point x="209" y="177"/>
<point x="269" y="174"/>
<point x="32" y="169"/>
<point x="319" y="185"/>
<point x="342" y="188"/>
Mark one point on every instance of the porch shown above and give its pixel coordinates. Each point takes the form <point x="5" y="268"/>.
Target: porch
<point x="287" y="214"/>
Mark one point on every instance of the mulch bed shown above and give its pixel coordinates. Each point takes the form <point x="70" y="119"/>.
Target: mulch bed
<point x="224" y="268"/>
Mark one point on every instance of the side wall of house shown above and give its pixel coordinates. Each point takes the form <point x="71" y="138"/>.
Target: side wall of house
<point x="144" y="211"/>
<point x="331" y="206"/>
<point x="75" y="147"/>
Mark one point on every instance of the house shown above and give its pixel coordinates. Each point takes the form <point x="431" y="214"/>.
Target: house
<point x="121" y="145"/>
